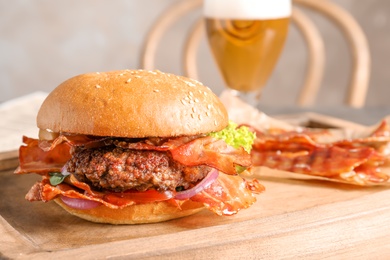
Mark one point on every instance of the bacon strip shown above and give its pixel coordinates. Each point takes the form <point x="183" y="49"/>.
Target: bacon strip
<point x="225" y="196"/>
<point x="212" y="152"/>
<point x="33" y="159"/>
<point x="200" y="151"/>
<point x="44" y="156"/>
<point x="75" y="140"/>
<point x="379" y="139"/>
<point x="44" y="191"/>
<point x="228" y="195"/>
<point x="356" y="161"/>
<point x="326" y="162"/>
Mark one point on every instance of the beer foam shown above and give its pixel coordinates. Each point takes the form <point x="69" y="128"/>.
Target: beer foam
<point x="247" y="9"/>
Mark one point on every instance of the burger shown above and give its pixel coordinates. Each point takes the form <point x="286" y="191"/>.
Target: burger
<point x="136" y="146"/>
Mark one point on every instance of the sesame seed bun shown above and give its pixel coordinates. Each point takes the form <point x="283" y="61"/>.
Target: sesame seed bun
<point x="132" y="103"/>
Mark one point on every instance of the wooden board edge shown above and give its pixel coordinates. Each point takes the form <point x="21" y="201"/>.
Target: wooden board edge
<point x="13" y="244"/>
<point x="9" y="160"/>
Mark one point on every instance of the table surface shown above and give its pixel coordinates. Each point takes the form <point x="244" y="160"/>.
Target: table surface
<point x="292" y="218"/>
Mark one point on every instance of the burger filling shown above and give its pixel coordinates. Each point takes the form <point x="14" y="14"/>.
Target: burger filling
<point x="119" y="172"/>
<point x="117" y="169"/>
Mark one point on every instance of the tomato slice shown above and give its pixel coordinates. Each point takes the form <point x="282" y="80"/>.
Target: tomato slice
<point x="138" y="197"/>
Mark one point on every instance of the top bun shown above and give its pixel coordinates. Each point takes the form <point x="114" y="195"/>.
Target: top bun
<point x="132" y="103"/>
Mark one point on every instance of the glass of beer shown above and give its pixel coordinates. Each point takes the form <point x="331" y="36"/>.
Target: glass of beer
<point x="246" y="38"/>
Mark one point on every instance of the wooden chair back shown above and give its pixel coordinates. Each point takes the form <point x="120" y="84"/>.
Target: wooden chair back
<point x="354" y="35"/>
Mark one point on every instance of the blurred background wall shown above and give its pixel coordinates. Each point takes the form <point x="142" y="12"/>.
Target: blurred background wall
<point x="44" y="42"/>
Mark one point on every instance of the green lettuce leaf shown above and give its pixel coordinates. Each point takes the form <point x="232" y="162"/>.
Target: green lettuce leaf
<point x="56" y="178"/>
<point x="236" y="136"/>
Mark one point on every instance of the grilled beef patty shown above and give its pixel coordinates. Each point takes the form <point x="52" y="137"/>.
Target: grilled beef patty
<point x="120" y="169"/>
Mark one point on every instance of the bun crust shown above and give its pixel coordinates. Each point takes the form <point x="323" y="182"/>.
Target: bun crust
<point x="132" y="103"/>
<point x="135" y="214"/>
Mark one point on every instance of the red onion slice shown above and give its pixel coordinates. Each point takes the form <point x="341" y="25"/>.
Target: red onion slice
<point x="80" y="203"/>
<point x="203" y="184"/>
<point x="64" y="171"/>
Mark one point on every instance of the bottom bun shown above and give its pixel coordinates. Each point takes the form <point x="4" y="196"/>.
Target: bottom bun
<point x="135" y="214"/>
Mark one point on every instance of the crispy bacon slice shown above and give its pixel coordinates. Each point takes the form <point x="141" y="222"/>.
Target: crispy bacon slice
<point x="228" y="194"/>
<point x="328" y="162"/>
<point x="198" y="151"/>
<point x="212" y="152"/>
<point x="84" y="141"/>
<point x="225" y="196"/>
<point x="44" y="156"/>
<point x="33" y="159"/>
<point x="383" y="131"/>
<point x="44" y="191"/>
<point x="379" y="139"/>
<point x="356" y="161"/>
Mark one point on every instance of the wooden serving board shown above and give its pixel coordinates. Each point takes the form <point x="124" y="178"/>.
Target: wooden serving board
<point x="293" y="218"/>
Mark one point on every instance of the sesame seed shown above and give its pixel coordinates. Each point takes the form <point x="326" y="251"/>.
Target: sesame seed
<point x="183" y="102"/>
<point x="193" y="115"/>
<point x="196" y="82"/>
<point x="128" y="81"/>
<point x="193" y="109"/>
<point x="199" y="117"/>
<point x="190" y="84"/>
<point x="208" y="114"/>
<point x="196" y="100"/>
<point x="215" y="122"/>
<point x="97" y="86"/>
<point x="191" y="94"/>
<point x="156" y="90"/>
